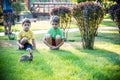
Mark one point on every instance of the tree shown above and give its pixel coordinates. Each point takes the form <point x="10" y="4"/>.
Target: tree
<point x="88" y="16"/>
<point x="17" y="8"/>
<point x="114" y="12"/>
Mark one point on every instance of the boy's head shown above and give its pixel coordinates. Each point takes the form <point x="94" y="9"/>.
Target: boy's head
<point x="26" y="24"/>
<point x="55" y="21"/>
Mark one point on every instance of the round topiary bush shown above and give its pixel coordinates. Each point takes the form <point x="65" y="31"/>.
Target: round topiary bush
<point x="114" y="12"/>
<point x="88" y="16"/>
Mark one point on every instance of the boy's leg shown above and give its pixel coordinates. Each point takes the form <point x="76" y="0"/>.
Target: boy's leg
<point x="5" y="24"/>
<point x="28" y="47"/>
<point x="48" y="38"/>
<point x="5" y="28"/>
<point x="24" y="40"/>
<point x="9" y="27"/>
<point x="9" y="22"/>
<point x="58" y="39"/>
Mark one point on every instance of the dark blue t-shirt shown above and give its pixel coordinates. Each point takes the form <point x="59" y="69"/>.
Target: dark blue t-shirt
<point x="6" y="6"/>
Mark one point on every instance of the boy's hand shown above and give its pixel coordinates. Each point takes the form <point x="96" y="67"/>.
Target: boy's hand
<point x="53" y="47"/>
<point x="21" y="46"/>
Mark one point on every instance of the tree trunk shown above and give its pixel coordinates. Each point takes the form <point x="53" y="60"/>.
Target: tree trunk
<point x="88" y="41"/>
<point x="119" y="28"/>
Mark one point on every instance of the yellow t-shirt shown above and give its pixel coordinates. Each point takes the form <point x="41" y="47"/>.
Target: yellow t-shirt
<point x="28" y="34"/>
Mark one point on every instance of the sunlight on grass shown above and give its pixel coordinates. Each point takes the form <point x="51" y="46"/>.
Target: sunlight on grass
<point x="71" y="62"/>
<point x="113" y="47"/>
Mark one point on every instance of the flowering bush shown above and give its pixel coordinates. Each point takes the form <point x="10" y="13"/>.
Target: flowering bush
<point x="65" y="17"/>
<point x="114" y="12"/>
<point x="88" y="16"/>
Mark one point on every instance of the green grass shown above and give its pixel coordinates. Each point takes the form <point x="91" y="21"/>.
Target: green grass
<point x="71" y="62"/>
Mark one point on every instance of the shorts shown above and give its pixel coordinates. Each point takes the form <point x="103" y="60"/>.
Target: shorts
<point x="53" y="42"/>
<point x="8" y="11"/>
<point x="8" y="17"/>
<point x="27" y="45"/>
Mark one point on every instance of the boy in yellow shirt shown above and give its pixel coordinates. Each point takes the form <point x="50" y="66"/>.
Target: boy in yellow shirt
<point x="25" y="39"/>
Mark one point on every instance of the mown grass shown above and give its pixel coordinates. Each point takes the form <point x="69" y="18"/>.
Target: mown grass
<point x="71" y="62"/>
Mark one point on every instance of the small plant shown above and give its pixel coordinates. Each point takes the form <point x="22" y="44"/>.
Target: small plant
<point x="17" y="8"/>
<point x="11" y="36"/>
<point x="88" y="16"/>
<point x="65" y="17"/>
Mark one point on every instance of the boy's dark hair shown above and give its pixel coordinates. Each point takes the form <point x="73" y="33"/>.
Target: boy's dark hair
<point x="55" y="19"/>
<point x="26" y="21"/>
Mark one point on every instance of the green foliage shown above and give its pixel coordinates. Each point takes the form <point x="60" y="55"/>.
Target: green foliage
<point x="88" y="16"/>
<point x="17" y="7"/>
<point x="1" y="16"/>
<point x="114" y="12"/>
<point x="74" y="1"/>
<point x="117" y="16"/>
<point x="83" y="0"/>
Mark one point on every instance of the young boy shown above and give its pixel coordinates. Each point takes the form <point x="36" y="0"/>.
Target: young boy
<point x="25" y="39"/>
<point x="54" y="37"/>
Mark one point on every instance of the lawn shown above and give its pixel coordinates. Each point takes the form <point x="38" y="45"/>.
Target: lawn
<point x="71" y="62"/>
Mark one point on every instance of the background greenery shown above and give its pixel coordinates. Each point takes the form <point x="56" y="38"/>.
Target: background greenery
<point x="41" y="25"/>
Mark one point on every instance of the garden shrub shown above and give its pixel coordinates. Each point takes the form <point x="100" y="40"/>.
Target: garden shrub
<point x="114" y="12"/>
<point x="65" y="17"/>
<point x="88" y="16"/>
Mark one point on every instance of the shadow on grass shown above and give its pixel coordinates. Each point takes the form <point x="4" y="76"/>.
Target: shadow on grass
<point x="107" y="23"/>
<point x="111" y="57"/>
<point x="79" y="61"/>
<point x="109" y="37"/>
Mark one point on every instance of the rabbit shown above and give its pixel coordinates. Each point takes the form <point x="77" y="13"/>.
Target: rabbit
<point x="26" y="57"/>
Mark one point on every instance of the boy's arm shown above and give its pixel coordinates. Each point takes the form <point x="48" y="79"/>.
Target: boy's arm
<point x="34" y="44"/>
<point x="20" y="45"/>
<point x="47" y="43"/>
<point x="62" y="42"/>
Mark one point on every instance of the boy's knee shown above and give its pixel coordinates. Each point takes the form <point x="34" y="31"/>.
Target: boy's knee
<point x="5" y="23"/>
<point x="9" y="23"/>
<point x="58" y="37"/>
<point x="48" y="36"/>
<point x="24" y="40"/>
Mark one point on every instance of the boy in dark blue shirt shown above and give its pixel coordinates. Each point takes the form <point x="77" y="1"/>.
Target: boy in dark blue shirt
<point x="7" y="13"/>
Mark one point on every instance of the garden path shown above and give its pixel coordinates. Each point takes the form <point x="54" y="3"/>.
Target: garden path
<point x="70" y="30"/>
